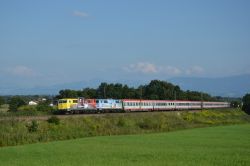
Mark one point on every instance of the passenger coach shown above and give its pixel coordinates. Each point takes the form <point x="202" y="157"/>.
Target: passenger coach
<point x="130" y="105"/>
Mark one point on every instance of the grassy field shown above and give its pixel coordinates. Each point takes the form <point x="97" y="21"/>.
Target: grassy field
<point x="223" y="145"/>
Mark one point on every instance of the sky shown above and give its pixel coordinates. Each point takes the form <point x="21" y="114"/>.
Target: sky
<point x="51" y="42"/>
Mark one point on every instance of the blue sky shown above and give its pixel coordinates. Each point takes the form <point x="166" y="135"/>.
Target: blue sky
<point x="58" y="41"/>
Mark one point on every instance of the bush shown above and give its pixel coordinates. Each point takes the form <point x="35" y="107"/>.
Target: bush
<point x="43" y="108"/>
<point x="148" y="123"/>
<point x="15" y="102"/>
<point x="27" y="108"/>
<point x="246" y="104"/>
<point x="121" y="122"/>
<point x="2" y="101"/>
<point x="54" y="120"/>
<point x="33" y="127"/>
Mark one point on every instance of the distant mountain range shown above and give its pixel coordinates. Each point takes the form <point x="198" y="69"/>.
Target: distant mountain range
<point x="233" y="86"/>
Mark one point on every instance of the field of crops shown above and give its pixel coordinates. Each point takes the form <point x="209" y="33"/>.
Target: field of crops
<point x="223" y="145"/>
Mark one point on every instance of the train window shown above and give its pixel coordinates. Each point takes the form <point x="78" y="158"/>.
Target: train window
<point x="62" y="101"/>
<point x="75" y="101"/>
<point x="105" y="101"/>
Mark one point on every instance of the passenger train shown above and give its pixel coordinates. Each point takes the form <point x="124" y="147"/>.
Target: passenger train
<point x="77" y="105"/>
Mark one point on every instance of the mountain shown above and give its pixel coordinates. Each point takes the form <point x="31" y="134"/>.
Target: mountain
<point x="233" y="86"/>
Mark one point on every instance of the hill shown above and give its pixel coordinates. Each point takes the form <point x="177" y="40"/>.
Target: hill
<point x="233" y="86"/>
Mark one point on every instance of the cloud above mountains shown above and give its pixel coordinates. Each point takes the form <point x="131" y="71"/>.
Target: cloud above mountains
<point x="194" y="70"/>
<point x="150" y="68"/>
<point x="142" y="67"/>
<point x="21" y="71"/>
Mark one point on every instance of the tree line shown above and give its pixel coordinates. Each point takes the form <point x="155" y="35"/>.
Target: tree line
<point x="155" y="90"/>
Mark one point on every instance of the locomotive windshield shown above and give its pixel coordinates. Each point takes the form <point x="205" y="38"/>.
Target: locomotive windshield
<point x="62" y="101"/>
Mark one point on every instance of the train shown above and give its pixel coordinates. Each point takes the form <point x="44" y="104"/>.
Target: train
<point x="82" y="105"/>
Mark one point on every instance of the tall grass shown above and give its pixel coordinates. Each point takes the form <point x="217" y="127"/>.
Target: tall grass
<point x="15" y="132"/>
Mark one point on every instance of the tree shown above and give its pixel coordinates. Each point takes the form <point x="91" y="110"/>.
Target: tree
<point x="235" y="104"/>
<point x="246" y="103"/>
<point x="2" y="101"/>
<point x="67" y="93"/>
<point x="16" y="102"/>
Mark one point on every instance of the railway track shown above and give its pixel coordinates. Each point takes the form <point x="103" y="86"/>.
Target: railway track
<point x="45" y="117"/>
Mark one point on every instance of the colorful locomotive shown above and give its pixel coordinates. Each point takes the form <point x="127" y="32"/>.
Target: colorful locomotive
<point x="128" y="105"/>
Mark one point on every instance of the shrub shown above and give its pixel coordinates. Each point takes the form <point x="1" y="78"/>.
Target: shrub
<point x="43" y="108"/>
<point x="27" y="108"/>
<point x="15" y="102"/>
<point x="121" y="122"/>
<point x="54" y="120"/>
<point x="246" y="103"/>
<point x="148" y="123"/>
<point x="33" y="127"/>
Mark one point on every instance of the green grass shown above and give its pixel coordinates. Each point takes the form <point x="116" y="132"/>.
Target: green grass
<point x="224" y="145"/>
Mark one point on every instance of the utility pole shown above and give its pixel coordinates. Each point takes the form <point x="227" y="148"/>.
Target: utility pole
<point x="201" y="100"/>
<point x="140" y="96"/>
<point x="104" y="91"/>
<point x="141" y="93"/>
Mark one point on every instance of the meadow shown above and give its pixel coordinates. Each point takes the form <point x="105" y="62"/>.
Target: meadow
<point x="223" y="145"/>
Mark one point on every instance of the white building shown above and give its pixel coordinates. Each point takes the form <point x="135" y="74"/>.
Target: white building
<point x="32" y="103"/>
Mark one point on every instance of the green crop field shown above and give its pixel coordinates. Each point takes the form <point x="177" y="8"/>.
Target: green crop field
<point x="224" y="145"/>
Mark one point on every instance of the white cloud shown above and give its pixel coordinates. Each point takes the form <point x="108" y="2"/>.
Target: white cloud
<point x="194" y="70"/>
<point x="170" y="70"/>
<point x="80" y="14"/>
<point x="22" y="71"/>
<point x="149" y="68"/>
<point x="143" y="67"/>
